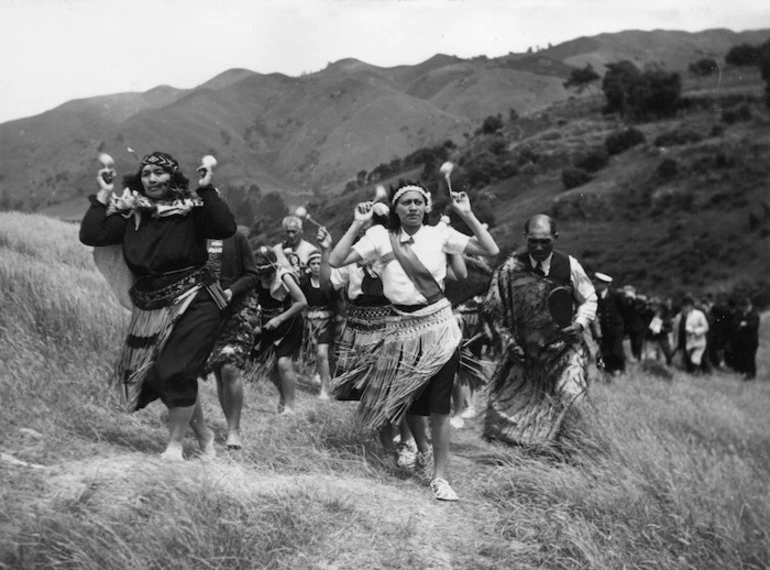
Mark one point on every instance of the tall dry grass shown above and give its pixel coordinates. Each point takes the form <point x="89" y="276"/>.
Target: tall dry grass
<point x="658" y="474"/>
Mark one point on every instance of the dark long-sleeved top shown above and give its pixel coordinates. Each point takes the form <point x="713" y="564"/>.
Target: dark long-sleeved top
<point x="161" y="245"/>
<point x="239" y="270"/>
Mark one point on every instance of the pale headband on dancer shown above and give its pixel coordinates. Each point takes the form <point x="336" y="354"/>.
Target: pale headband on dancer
<point x="414" y="188"/>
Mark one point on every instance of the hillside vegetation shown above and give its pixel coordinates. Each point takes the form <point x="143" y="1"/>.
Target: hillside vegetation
<point x="660" y="474"/>
<point x="685" y="208"/>
<point x="311" y="134"/>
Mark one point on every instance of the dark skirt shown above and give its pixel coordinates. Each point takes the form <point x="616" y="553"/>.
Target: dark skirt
<point x="286" y="340"/>
<point x="174" y="375"/>
<point x="237" y="337"/>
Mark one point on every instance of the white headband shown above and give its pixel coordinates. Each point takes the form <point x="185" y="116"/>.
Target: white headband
<point x="404" y="189"/>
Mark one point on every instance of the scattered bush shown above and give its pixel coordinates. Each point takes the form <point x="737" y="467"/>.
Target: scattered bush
<point x="678" y="137"/>
<point x="743" y="55"/>
<point x="621" y="141"/>
<point x="593" y="160"/>
<point x="572" y="177"/>
<point x="668" y="168"/>
<point x="492" y="124"/>
<point x="740" y="112"/>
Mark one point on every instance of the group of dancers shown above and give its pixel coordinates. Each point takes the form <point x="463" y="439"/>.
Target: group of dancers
<point x="203" y="302"/>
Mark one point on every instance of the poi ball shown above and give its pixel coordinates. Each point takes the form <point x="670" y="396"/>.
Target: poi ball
<point x="445" y="220"/>
<point x="300" y="212"/>
<point x="380" y="194"/>
<point x="106" y="160"/>
<point x="209" y="161"/>
<point x="446" y="168"/>
<point x="380" y="209"/>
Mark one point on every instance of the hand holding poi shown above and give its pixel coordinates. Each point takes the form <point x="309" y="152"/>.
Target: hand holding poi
<point x="324" y="239"/>
<point x="206" y="170"/>
<point x="461" y="203"/>
<point x="446" y="170"/>
<point x="106" y="177"/>
<point x="363" y="212"/>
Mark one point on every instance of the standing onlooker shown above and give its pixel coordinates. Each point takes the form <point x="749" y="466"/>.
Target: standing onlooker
<point x="609" y="326"/>
<point x="690" y="327"/>
<point x="745" y="338"/>
<point x="659" y="329"/>
<point x="636" y="320"/>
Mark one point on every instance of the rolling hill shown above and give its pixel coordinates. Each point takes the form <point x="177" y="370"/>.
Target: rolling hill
<point x="310" y="134"/>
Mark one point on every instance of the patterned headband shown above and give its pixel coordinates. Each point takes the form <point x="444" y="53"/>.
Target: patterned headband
<point x="162" y="159"/>
<point x="404" y="189"/>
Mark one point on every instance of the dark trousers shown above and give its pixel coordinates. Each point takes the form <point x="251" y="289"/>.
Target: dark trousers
<point x="612" y="353"/>
<point x="665" y="347"/>
<point x="637" y="343"/>
<point x="745" y="360"/>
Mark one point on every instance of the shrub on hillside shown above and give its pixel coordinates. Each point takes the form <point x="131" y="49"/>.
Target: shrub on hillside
<point x="572" y="177"/>
<point x="668" y="168"/>
<point x="741" y="112"/>
<point x="492" y="124"/>
<point x="678" y="137"/>
<point x="593" y="160"/>
<point x="621" y="141"/>
<point x="654" y="93"/>
<point x="743" y="55"/>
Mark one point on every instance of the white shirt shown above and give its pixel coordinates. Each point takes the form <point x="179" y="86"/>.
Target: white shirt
<point x="431" y="246"/>
<point x="585" y="294"/>
<point x="350" y="276"/>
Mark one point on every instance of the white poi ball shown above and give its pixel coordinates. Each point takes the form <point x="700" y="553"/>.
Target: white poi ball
<point x="300" y="212"/>
<point x="209" y="161"/>
<point x="380" y="194"/>
<point x="446" y="168"/>
<point x="445" y="220"/>
<point x="106" y="160"/>
<point x="380" y="209"/>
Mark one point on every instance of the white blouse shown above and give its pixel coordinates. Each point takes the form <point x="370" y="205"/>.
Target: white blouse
<point x="431" y="246"/>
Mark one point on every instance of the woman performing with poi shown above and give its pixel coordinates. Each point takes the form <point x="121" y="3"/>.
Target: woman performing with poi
<point x="279" y="336"/>
<point x="163" y="228"/>
<point x="233" y="262"/>
<point x="416" y="364"/>
<point x="319" y="321"/>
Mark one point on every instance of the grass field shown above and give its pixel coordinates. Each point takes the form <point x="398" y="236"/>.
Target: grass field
<point x="659" y="474"/>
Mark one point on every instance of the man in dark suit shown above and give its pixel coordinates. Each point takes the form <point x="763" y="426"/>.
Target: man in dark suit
<point x="745" y="339"/>
<point x="610" y="326"/>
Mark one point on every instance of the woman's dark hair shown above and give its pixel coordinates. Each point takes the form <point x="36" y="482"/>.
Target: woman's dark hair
<point x="394" y="222"/>
<point x="179" y="184"/>
<point x="263" y="257"/>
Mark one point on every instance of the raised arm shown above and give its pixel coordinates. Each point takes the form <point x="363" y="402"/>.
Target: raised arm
<point x="343" y="253"/>
<point x="324" y="240"/>
<point x="97" y="228"/>
<point x="482" y="242"/>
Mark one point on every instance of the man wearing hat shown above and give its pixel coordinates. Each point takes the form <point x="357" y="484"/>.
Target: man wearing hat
<point x="609" y="327"/>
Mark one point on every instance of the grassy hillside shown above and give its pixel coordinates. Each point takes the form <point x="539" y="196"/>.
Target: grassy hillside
<point x="661" y="474"/>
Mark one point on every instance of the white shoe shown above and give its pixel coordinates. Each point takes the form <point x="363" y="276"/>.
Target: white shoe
<point x="456" y="422"/>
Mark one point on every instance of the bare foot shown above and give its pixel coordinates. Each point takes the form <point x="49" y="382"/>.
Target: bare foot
<point x="323" y="396"/>
<point x="206" y="444"/>
<point x="234" y="440"/>
<point x="173" y="453"/>
<point x="288" y="412"/>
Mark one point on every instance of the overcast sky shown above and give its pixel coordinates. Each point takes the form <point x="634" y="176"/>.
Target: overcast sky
<point x="52" y="51"/>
